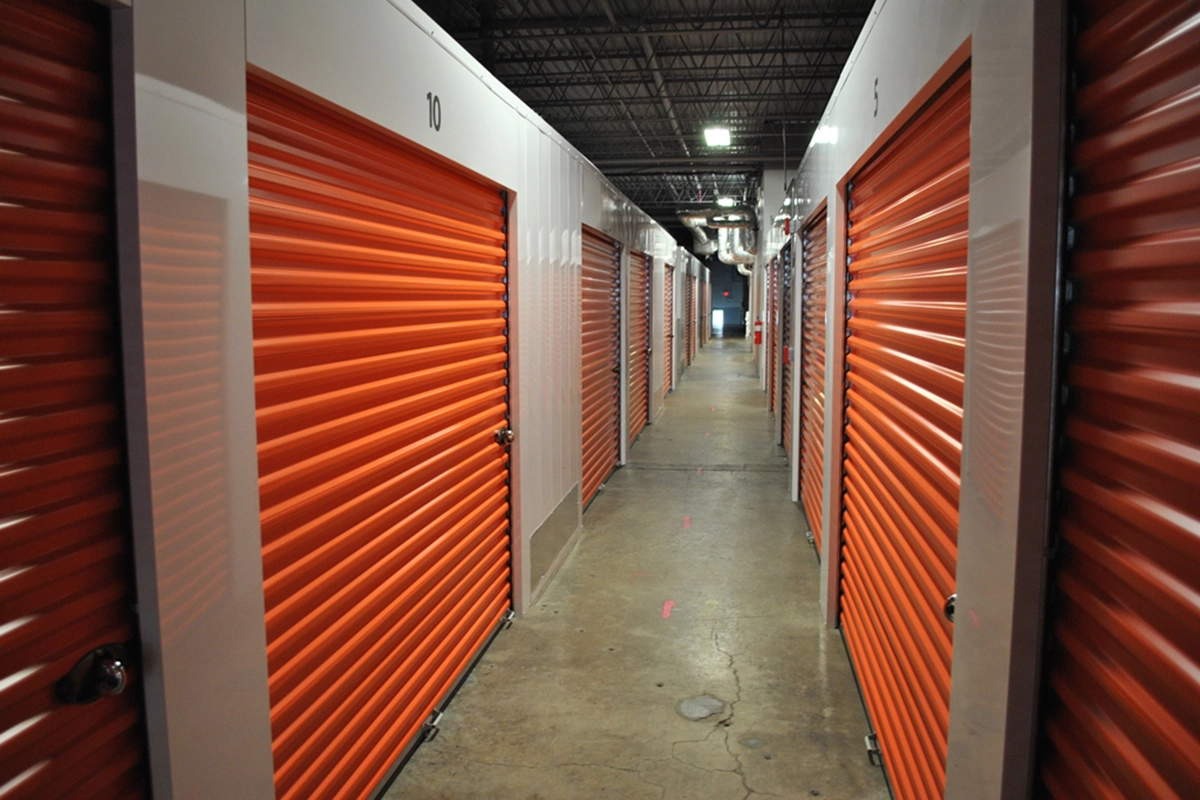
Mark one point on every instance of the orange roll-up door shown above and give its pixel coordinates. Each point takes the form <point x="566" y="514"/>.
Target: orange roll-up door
<point x="785" y="334"/>
<point x="905" y="338"/>
<point x="380" y="350"/>
<point x="668" y="330"/>
<point x="773" y="323"/>
<point x="65" y="555"/>
<point x="601" y="299"/>
<point x="639" y="343"/>
<point x="1122" y="691"/>
<point x="812" y="372"/>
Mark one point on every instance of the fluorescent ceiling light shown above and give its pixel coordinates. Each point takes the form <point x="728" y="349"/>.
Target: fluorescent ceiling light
<point x="716" y="137"/>
<point x="726" y="202"/>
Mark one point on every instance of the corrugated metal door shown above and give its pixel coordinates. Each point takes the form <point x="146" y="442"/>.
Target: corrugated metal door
<point x="785" y="334"/>
<point x="668" y="330"/>
<point x="1122" y="694"/>
<point x="380" y="339"/>
<point x="639" y="343"/>
<point x="65" y="556"/>
<point x="907" y="248"/>
<point x="812" y="373"/>
<point x="773" y="324"/>
<point x="689" y="313"/>
<point x="601" y="298"/>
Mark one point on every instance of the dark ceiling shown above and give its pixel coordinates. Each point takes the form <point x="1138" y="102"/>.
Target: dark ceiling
<point x="634" y="83"/>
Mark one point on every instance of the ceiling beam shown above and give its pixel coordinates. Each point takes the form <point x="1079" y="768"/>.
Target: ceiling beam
<point x="676" y="161"/>
<point x="668" y="53"/>
<point x="565" y="125"/>
<point x="618" y="140"/>
<point x="625" y="25"/>
<point x="685" y="77"/>
<point x="682" y="170"/>
<point x="785" y="100"/>
<point x="569" y="30"/>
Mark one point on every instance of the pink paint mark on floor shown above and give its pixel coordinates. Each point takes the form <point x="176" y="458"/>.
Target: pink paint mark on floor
<point x="707" y="434"/>
<point x="714" y="408"/>
<point x="687" y="522"/>
<point x="974" y="618"/>
<point x="667" y="606"/>
<point x="699" y="470"/>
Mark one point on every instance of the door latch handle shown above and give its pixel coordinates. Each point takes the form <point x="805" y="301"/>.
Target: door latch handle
<point x="948" y="608"/>
<point x="505" y="436"/>
<point x="104" y="672"/>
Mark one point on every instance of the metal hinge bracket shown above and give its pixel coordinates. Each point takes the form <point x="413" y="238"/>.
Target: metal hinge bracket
<point x="874" y="754"/>
<point x="432" y="726"/>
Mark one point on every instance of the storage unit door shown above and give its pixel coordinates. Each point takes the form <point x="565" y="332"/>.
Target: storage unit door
<point x="812" y="373"/>
<point x="907" y="248"/>
<point x="601" y="298"/>
<point x="65" y="555"/>
<point x="785" y="333"/>
<point x="380" y="339"/>
<point x="773" y="322"/>
<point x="1122" y="692"/>
<point x="668" y="330"/>
<point x="638" y="379"/>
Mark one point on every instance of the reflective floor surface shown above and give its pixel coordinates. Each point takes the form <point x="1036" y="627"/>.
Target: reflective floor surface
<point x="679" y="652"/>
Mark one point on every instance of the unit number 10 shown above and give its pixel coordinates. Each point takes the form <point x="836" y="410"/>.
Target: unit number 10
<point x="435" y="111"/>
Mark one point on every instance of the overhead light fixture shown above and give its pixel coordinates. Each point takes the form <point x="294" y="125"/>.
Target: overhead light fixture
<point x="726" y="202"/>
<point x="716" y="137"/>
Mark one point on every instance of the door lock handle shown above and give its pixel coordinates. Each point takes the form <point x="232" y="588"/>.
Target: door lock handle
<point x="505" y="436"/>
<point x="948" y="607"/>
<point x="104" y="672"/>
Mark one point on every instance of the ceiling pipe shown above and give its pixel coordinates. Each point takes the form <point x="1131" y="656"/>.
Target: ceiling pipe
<point x="733" y="248"/>
<point x="732" y="218"/>
<point x="733" y="227"/>
<point x="702" y="244"/>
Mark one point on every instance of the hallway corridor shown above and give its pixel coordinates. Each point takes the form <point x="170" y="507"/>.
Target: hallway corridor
<point x="692" y="592"/>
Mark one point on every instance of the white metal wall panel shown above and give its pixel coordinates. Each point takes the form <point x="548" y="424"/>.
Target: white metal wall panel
<point x="195" y="386"/>
<point x="1016" y="53"/>
<point x="546" y="285"/>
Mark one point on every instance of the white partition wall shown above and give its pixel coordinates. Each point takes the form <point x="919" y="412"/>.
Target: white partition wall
<point x="387" y="63"/>
<point x="1015" y="49"/>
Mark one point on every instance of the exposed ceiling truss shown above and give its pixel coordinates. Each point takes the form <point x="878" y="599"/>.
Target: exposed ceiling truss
<point x="634" y="83"/>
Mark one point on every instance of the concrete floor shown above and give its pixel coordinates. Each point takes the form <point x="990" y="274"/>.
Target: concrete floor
<point x="692" y="578"/>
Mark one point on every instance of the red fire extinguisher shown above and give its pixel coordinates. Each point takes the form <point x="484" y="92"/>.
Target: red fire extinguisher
<point x="758" y="331"/>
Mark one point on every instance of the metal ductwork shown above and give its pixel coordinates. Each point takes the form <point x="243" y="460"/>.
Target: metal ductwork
<point x="732" y="218"/>
<point x="703" y="244"/>
<point x="735" y="248"/>
<point x="739" y="249"/>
